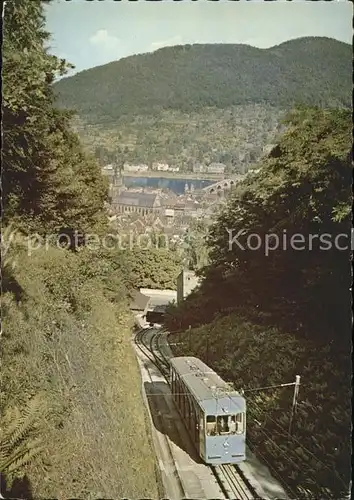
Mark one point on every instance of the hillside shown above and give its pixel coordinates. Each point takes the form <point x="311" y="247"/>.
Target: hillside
<point x="250" y="356"/>
<point x="187" y="78"/>
<point x="72" y="417"/>
<point x="68" y="342"/>
<point x="234" y="136"/>
<point x="268" y="309"/>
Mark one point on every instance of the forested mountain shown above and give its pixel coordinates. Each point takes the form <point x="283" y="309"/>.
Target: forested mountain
<point x="310" y="70"/>
<point x="234" y="136"/>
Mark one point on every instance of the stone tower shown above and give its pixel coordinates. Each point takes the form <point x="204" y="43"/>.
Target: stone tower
<point x="187" y="281"/>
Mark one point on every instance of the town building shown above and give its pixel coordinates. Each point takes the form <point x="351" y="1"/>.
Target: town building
<point x="187" y="281"/>
<point x="135" y="168"/>
<point x="139" y="304"/>
<point x="160" y="166"/>
<point x="198" y="168"/>
<point x="137" y="202"/>
<point x="216" y="168"/>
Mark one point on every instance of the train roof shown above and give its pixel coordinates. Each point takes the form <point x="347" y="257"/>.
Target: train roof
<point x="208" y="388"/>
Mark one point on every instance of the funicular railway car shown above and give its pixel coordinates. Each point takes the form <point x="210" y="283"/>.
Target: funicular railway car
<point x="214" y="414"/>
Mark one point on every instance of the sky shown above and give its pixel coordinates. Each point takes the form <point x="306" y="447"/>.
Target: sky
<point x="92" y="33"/>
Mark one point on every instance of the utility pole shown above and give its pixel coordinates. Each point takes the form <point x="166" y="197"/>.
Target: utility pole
<point x="293" y="408"/>
<point x="189" y="338"/>
<point x="296" y="385"/>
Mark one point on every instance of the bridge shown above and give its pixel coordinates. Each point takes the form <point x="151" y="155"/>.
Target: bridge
<point x="223" y="185"/>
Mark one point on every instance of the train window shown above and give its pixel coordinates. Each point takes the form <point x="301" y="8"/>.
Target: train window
<point x="223" y="426"/>
<point x="211" y="425"/>
<point x="239" y="423"/>
<point x="172" y="377"/>
<point x="183" y="399"/>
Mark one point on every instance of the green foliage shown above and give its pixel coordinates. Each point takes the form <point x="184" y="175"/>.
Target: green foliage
<point x="234" y="136"/>
<point x="303" y="188"/>
<point x="48" y="183"/>
<point x="17" y="444"/>
<point x="193" y="77"/>
<point x="68" y="338"/>
<point x="316" y="457"/>
<point x="154" y="267"/>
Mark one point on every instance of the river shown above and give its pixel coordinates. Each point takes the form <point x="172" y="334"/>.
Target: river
<point x="175" y="185"/>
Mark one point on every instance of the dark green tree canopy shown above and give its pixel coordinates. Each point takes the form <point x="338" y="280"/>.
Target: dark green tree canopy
<point x="302" y="191"/>
<point x="312" y="70"/>
<point x="48" y="183"/>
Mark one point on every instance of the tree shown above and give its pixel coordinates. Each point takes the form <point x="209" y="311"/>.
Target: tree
<point x="196" y="249"/>
<point x="48" y="183"/>
<point x="303" y="188"/>
<point x="154" y="267"/>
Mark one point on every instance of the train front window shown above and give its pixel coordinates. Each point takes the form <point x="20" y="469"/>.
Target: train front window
<point x="223" y="424"/>
<point x="211" y="425"/>
<point x="239" y="423"/>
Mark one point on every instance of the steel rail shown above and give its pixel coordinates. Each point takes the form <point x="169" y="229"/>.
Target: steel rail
<point x="230" y="479"/>
<point x="232" y="483"/>
<point x="139" y="342"/>
<point x="147" y="348"/>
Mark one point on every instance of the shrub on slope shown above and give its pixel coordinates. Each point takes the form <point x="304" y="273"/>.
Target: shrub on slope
<point x="315" y="460"/>
<point x="68" y="341"/>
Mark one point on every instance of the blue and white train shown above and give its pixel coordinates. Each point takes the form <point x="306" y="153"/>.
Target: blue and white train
<point x="214" y="414"/>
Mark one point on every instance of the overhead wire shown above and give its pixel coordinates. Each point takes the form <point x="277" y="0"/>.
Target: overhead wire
<point x="275" y="472"/>
<point x="285" y="433"/>
<point x="288" y="435"/>
<point x="300" y="468"/>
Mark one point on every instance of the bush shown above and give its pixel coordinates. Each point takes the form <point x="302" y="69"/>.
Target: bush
<point x="316" y="457"/>
<point x="68" y="338"/>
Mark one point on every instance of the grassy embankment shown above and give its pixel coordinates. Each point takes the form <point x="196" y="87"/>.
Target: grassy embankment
<point x="315" y="460"/>
<point x="67" y="353"/>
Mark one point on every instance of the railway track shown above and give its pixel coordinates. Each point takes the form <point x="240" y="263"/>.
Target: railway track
<point x="230" y="479"/>
<point x="146" y="340"/>
<point x="232" y="483"/>
<point x="158" y="355"/>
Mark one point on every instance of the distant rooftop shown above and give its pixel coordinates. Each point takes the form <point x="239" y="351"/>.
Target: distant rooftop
<point x="139" y="301"/>
<point x="145" y="200"/>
